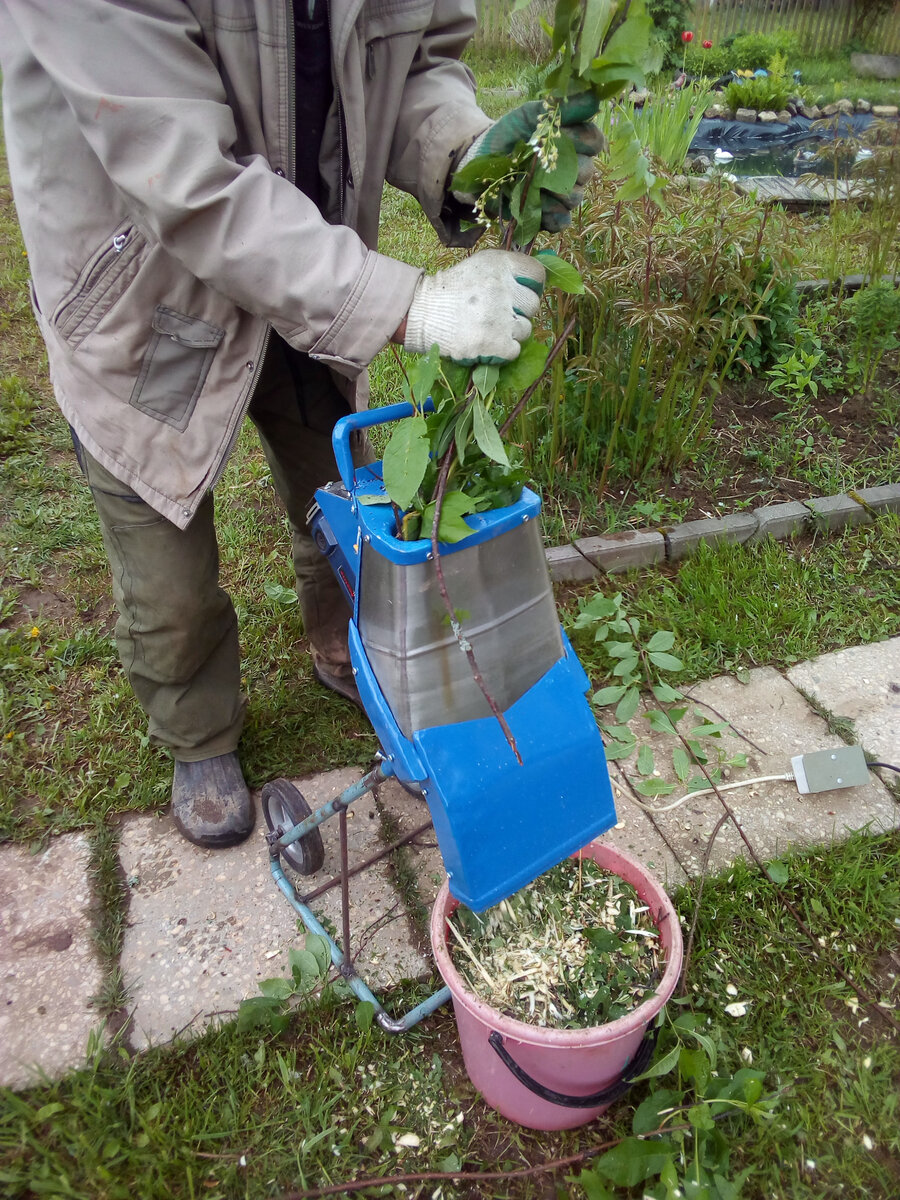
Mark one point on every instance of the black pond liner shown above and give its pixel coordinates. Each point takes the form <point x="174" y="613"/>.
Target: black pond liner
<point x="777" y="148"/>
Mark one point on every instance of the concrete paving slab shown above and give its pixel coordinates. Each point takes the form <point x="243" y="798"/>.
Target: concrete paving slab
<point x="862" y="684"/>
<point x="48" y="971"/>
<point x="206" y="926"/>
<point x="408" y="812"/>
<point x="772" y="714"/>
<point x="567" y="565"/>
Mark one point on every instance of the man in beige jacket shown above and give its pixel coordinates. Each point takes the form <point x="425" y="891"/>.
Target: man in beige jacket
<point x="198" y="184"/>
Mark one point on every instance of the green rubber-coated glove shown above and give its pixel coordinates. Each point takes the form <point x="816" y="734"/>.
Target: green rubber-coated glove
<point x="478" y="311"/>
<point x="519" y="125"/>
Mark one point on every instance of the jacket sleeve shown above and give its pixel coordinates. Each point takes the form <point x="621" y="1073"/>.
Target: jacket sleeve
<point x="439" y="118"/>
<point x="151" y="104"/>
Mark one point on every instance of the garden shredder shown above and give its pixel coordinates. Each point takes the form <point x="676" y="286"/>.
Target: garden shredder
<point x="499" y="823"/>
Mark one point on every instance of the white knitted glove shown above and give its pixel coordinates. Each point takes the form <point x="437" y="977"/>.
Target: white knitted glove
<point x="477" y="311"/>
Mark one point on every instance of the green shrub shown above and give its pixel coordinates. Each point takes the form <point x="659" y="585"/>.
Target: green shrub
<point x="671" y="18"/>
<point x="750" y="51"/>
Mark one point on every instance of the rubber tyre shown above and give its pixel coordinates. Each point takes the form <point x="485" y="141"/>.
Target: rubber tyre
<point x="285" y="806"/>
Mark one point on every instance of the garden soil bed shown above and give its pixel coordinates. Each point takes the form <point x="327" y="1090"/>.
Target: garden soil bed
<point x="726" y="476"/>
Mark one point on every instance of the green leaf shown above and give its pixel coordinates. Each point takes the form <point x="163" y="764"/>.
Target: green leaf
<point x="562" y="177"/>
<point x="645" y="760"/>
<point x="279" y="594"/>
<point x="365" y="1014"/>
<point x="661" y="640"/>
<point x="304" y="967"/>
<point x="276" y="989"/>
<point x="319" y="948"/>
<point x="49" y="1110"/>
<point x="654" y="1109"/>
<point x="615" y="750"/>
<point x="621" y="649"/>
<point x="594" y="24"/>
<point x="778" y="873"/>
<point x="681" y="761"/>
<point x="693" y="1064"/>
<point x="423" y="373"/>
<point x="660" y="721"/>
<point x="664" y="693"/>
<point x="560" y="274"/>
<point x="665" y="662"/>
<point x="525" y="368"/>
<point x="608" y="695"/>
<point x="486" y="433"/>
<point x="628" y="705"/>
<point x="633" y="1161"/>
<point x="626" y="666"/>
<point x="258" y="1010"/>
<point x="481" y="171"/>
<point x="405" y="461"/>
<point x="484" y="378"/>
<point x="653" y="787"/>
<point x="592" y="1185"/>
<point x="452" y="527"/>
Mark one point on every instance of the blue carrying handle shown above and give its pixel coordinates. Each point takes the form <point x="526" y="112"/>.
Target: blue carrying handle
<point x="340" y="438"/>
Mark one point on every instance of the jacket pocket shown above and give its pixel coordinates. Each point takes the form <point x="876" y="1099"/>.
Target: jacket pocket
<point x="101" y="283"/>
<point x="387" y="18"/>
<point x="175" y="366"/>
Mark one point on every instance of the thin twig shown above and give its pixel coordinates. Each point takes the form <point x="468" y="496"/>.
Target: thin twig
<point x="555" y="1164"/>
<point x="704" y="867"/>
<point x="529" y="391"/>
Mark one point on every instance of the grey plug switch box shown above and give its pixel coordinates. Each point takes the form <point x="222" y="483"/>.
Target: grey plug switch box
<point x="825" y="770"/>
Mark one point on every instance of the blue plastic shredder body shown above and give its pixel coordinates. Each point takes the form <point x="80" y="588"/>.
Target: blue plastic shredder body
<point x="499" y="824"/>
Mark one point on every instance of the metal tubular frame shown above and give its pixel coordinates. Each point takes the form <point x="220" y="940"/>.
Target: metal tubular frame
<point x="277" y="841"/>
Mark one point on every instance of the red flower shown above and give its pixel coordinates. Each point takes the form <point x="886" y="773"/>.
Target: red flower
<point x="687" y="36"/>
<point x="707" y="45"/>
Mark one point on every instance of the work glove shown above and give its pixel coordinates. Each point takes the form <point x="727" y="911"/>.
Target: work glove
<point x="519" y="125"/>
<point x="479" y="311"/>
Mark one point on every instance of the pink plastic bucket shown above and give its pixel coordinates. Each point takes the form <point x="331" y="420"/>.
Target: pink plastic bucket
<point x="569" y="1063"/>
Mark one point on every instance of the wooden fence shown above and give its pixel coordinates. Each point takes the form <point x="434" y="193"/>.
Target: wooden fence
<point x="823" y="25"/>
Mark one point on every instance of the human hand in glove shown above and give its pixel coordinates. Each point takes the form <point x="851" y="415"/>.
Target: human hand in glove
<point x="479" y="311"/>
<point x="519" y="125"/>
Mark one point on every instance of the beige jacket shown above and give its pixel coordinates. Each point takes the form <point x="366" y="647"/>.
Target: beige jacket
<point x="151" y="149"/>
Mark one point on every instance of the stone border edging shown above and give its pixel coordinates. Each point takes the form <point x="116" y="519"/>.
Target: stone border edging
<point x="587" y="558"/>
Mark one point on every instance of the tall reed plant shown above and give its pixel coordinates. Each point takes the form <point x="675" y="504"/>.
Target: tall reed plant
<point x="672" y="297"/>
<point x="665" y="125"/>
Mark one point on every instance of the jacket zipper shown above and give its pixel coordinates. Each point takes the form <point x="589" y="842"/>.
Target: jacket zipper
<point x="340" y="112"/>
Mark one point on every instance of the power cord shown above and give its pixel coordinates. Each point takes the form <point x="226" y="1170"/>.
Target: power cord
<point x="788" y="777"/>
<point x="724" y="787"/>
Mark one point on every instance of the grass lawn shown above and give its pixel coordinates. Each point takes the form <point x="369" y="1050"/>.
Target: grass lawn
<point x="257" y="1114"/>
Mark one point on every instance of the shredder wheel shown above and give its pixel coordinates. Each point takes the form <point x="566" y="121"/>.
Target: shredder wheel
<point x="284" y="805"/>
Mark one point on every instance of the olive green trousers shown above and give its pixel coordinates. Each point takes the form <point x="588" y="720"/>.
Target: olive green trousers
<point x="177" y="632"/>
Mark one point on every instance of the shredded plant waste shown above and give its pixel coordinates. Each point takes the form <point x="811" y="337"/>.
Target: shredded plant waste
<point x="575" y="948"/>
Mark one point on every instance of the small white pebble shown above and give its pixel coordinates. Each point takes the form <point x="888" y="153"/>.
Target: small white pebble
<point x="867" y="1061"/>
<point x="739" y="1009"/>
<point x="747" y="1055"/>
<point x="408" y="1139"/>
<point x="731" y="989"/>
<point x="867" y="1142"/>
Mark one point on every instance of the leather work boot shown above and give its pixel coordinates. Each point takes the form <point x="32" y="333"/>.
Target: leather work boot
<point x="211" y="804"/>
<point x="338" y="677"/>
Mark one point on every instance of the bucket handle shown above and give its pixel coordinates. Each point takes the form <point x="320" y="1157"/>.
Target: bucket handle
<point x="611" y="1092"/>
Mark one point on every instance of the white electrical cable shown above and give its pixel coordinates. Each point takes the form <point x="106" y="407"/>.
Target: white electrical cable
<point x="725" y="787"/>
